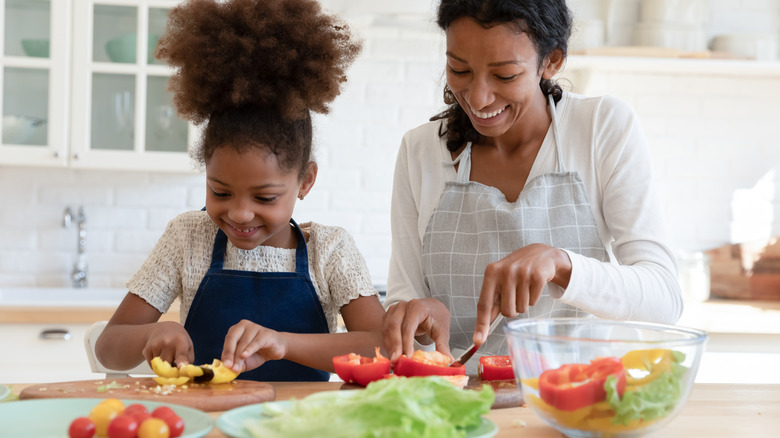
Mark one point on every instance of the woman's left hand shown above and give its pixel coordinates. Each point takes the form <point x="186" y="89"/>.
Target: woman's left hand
<point x="514" y="283"/>
<point x="249" y="345"/>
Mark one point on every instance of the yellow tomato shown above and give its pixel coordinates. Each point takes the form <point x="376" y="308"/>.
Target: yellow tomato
<point x="154" y="428"/>
<point x="103" y="413"/>
<point x="114" y="402"/>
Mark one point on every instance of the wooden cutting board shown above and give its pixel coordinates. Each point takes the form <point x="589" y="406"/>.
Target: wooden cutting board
<point x="208" y="398"/>
<point x="507" y="393"/>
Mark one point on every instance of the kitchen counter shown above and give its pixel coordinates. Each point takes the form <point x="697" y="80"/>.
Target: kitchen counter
<point x="713" y="410"/>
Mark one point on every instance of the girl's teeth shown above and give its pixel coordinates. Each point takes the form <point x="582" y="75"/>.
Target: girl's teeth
<point x="482" y="115"/>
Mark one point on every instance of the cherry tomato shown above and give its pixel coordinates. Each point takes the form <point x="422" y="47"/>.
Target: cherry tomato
<point x="115" y="402"/>
<point x="175" y="424"/>
<point x="138" y="411"/>
<point x="81" y="427"/>
<point x="154" y="428"/>
<point x="123" y="426"/>
<point x="102" y="414"/>
<point x="162" y="412"/>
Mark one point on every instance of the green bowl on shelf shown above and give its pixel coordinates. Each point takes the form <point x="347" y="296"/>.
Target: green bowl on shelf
<point x="36" y="48"/>
<point x="122" y="48"/>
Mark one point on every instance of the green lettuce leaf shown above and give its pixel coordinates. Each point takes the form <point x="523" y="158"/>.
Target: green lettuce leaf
<point x="651" y="401"/>
<point x="417" y="407"/>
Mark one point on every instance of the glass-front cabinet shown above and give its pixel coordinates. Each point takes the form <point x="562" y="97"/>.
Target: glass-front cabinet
<point x="35" y="81"/>
<point x="100" y="98"/>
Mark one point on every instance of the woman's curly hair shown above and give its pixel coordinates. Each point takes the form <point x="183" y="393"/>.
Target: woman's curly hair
<point x="254" y="70"/>
<point x="546" y="22"/>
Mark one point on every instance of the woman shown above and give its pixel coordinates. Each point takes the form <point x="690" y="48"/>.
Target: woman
<point x="520" y="198"/>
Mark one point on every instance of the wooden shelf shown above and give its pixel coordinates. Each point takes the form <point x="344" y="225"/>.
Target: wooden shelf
<point x="655" y="64"/>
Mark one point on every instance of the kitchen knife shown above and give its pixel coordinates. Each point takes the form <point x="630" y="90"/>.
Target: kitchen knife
<point x="460" y="361"/>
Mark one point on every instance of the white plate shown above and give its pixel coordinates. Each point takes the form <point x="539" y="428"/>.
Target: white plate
<point x="4" y="392"/>
<point x="51" y="417"/>
<point x="231" y="423"/>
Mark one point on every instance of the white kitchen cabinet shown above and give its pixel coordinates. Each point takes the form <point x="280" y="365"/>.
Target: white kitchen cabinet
<point x="103" y="95"/>
<point x="29" y="358"/>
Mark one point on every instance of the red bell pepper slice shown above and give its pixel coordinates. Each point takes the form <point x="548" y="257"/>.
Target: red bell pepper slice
<point x="354" y="368"/>
<point x="423" y="364"/>
<point x="574" y="386"/>
<point x="496" y="368"/>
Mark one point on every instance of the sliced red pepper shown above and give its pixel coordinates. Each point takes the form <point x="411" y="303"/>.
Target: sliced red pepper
<point x="354" y="368"/>
<point x="496" y="368"/>
<point x="423" y="364"/>
<point x="574" y="386"/>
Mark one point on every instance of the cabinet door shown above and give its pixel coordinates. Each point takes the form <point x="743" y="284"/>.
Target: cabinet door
<point x="123" y="115"/>
<point x="34" y="72"/>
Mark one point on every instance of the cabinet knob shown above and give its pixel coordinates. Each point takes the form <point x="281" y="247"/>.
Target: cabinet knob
<point x="77" y="156"/>
<point x="55" y="333"/>
<point x="56" y="154"/>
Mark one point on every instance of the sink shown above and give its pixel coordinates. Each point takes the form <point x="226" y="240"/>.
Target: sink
<point x="60" y="297"/>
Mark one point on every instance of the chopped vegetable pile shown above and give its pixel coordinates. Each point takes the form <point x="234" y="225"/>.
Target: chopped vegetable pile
<point x="612" y="394"/>
<point x="415" y="407"/>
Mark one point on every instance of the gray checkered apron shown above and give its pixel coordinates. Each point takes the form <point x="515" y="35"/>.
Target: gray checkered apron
<point x="474" y="225"/>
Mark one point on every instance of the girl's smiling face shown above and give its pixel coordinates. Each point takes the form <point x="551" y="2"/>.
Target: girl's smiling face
<point x="494" y="74"/>
<point x="251" y="198"/>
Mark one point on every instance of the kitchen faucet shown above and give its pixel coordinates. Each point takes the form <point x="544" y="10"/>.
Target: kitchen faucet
<point x="79" y="273"/>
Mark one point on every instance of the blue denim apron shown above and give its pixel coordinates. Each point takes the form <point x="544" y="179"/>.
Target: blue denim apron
<point x="282" y="301"/>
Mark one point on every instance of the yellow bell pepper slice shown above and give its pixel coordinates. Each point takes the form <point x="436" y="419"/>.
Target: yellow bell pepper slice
<point x="644" y="366"/>
<point x="178" y="381"/>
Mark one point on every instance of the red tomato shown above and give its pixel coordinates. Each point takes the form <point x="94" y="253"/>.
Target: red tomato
<point x="123" y="426"/>
<point x="138" y="411"/>
<point x="418" y="366"/>
<point x="575" y="386"/>
<point x="162" y="412"/>
<point x="496" y="368"/>
<point x="81" y="427"/>
<point x="354" y="368"/>
<point x="175" y="424"/>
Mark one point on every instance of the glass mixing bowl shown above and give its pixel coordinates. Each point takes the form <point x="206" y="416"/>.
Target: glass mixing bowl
<point x="596" y="378"/>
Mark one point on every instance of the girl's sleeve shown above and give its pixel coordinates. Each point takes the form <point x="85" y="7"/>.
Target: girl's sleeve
<point x="346" y="271"/>
<point x="643" y="284"/>
<point x="159" y="280"/>
<point x="405" y="277"/>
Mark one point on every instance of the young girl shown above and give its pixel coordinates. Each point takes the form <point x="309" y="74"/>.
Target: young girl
<point x="257" y="291"/>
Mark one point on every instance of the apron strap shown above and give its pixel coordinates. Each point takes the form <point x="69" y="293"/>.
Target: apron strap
<point x="218" y="253"/>
<point x="558" y="161"/>
<point x="301" y="254"/>
<point x="464" y="169"/>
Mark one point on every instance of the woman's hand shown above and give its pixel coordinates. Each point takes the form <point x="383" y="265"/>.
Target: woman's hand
<point x="249" y="345"/>
<point x="514" y="283"/>
<point x="426" y="319"/>
<point x="171" y="342"/>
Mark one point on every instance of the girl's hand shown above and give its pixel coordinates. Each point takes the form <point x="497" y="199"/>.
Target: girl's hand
<point x="427" y="319"/>
<point x="171" y="342"/>
<point x="249" y="345"/>
<point x="514" y="283"/>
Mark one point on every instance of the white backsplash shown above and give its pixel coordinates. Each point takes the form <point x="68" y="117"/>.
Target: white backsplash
<point x="715" y="140"/>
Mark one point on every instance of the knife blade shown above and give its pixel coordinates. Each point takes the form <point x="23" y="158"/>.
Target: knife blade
<point x="460" y="361"/>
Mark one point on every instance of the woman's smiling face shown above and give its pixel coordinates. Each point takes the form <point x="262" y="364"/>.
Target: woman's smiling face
<point x="251" y="198"/>
<point x="493" y="72"/>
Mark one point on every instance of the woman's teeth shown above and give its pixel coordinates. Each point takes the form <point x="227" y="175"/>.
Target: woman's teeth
<point x="482" y="115"/>
<point x="244" y="230"/>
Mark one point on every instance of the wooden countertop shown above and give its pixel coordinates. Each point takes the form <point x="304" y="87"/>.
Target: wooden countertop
<point x="67" y="315"/>
<point x="712" y="410"/>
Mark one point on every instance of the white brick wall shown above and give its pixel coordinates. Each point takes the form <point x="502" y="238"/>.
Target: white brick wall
<point x="714" y="140"/>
